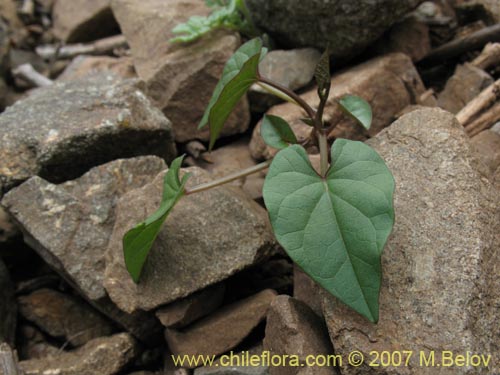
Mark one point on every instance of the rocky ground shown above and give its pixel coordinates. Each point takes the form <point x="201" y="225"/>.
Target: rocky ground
<point x="96" y="103"/>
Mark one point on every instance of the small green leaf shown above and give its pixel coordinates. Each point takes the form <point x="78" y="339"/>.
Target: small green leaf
<point x="322" y="74"/>
<point x="239" y="74"/>
<point x="137" y="242"/>
<point x="358" y="109"/>
<point x="276" y="132"/>
<point x="334" y="228"/>
<point x="307" y="121"/>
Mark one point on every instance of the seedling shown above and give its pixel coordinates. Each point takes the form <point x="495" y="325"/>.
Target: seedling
<point x="333" y="223"/>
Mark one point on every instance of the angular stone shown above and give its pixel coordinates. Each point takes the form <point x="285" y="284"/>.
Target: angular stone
<point x="103" y="356"/>
<point x="440" y="288"/>
<point x="61" y="131"/>
<point x="185" y="311"/>
<point x="70" y="225"/>
<point x="223" y="330"/>
<point x="465" y="84"/>
<point x="180" y="78"/>
<point x="83" y="20"/>
<point x="63" y="316"/>
<point x="293" y="329"/>
<point x="291" y="68"/>
<point x="487" y="144"/>
<point x="346" y="26"/>
<point x="8" y="310"/>
<point x="83" y="66"/>
<point x="389" y="83"/>
<point x="206" y="238"/>
<point x="410" y="36"/>
<point x="306" y="290"/>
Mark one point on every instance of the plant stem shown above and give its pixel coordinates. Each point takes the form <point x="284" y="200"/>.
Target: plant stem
<point x="310" y="112"/>
<point x="323" y="153"/>
<point x="276" y="92"/>
<point x="229" y="178"/>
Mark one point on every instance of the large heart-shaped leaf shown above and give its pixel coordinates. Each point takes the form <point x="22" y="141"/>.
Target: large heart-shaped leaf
<point x="239" y="74"/>
<point x="358" y="109"/>
<point x="137" y="242"/>
<point x="334" y="228"/>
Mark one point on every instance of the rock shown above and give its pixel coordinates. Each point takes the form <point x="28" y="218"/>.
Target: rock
<point x="389" y="83"/>
<point x="489" y="9"/>
<point x="8" y="308"/>
<point x="32" y="344"/>
<point x="410" y="36"/>
<point x="83" y="20"/>
<point x="223" y="330"/>
<point x="83" y="66"/>
<point x="440" y="287"/>
<point x="306" y="290"/>
<point x="466" y="83"/>
<point x="70" y="225"/>
<point x="63" y="316"/>
<point x="180" y="78"/>
<point x="232" y="158"/>
<point x="103" y="356"/>
<point x="293" y="329"/>
<point x="487" y="144"/>
<point x="207" y="238"/>
<point x="348" y="27"/>
<point x="95" y="120"/>
<point x="185" y="311"/>
<point x="8" y="229"/>
<point x="291" y="68"/>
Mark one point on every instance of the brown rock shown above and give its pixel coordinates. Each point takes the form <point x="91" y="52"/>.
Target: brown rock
<point x="8" y="308"/>
<point x="487" y="144"/>
<point x="180" y="78"/>
<point x="410" y="36"/>
<point x="207" y="238"/>
<point x="83" y="66"/>
<point x="63" y="316"/>
<point x="7" y="227"/>
<point x="440" y="288"/>
<point x="389" y="83"/>
<point x="465" y="84"/>
<point x="83" y="20"/>
<point x="185" y="311"/>
<point x="33" y="345"/>
<point x="95" y="120"/>
<point x="306" y="290"/>
<point x="293" y="329"/>
<point x="70" y="224"/>
<point x="223" y="330"/>
<point x="104" y="356"/>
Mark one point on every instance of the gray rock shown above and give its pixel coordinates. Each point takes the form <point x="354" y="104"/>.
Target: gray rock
<point x="84" y="65"/>
<point x="179" y="77"/>
<point x="83" y="20"/>
<point x="293" y="329"/>
<point x="103" y="356"/>
<point x="60" y="131"/>
<point x="466" y="83"/>
<point x="63" y="316"/>
<point x="185" y="311"/>
<point x="440" y="287"/>
<point x="70" y="224"/>
<point x="207" y="237"/>
<point x="8" y="308"/>
<point x="348" y="26"/>
<point x="389" y="83"/>
<point x="223" y="330"/>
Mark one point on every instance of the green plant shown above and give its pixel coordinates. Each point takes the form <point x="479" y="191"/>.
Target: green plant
<point x="333" y="224"/>
<point x="226" y="14"/>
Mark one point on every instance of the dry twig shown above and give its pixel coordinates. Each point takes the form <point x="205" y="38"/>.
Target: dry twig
<point x="30" y="75"/>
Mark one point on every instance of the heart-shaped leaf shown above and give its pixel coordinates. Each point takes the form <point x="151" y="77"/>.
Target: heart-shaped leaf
<point x="334" y="228"/>
<point x="358" y="109"/>
<point x="137" y="242"/>
<point x="240" y="72"/>
<point x="276" y="132"/>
